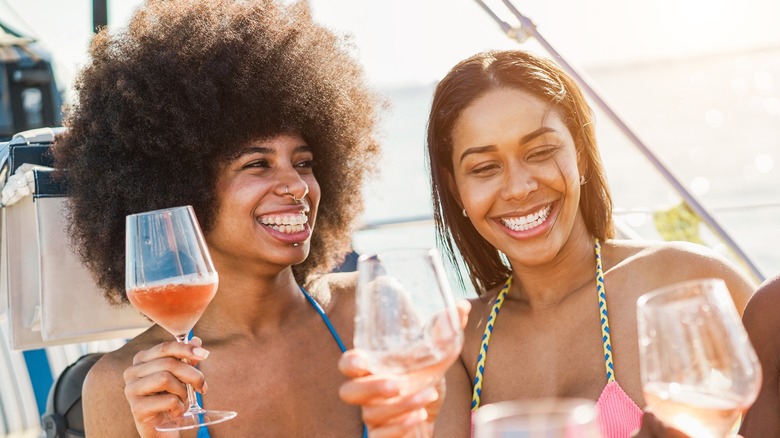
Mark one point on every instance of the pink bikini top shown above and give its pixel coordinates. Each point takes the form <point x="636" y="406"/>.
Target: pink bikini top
<point x="619" y="416"/>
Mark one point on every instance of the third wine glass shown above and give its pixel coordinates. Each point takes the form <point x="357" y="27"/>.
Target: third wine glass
<point x="699" y="370"/>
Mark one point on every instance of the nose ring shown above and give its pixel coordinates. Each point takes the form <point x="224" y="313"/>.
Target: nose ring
<point x="287" y="192"/>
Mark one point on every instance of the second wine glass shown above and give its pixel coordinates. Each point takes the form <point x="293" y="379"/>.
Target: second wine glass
<point x="699" y="370"/>
<point x="406" y="320"/>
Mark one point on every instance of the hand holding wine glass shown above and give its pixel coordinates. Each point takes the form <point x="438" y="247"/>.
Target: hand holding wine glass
<point x="406" y="322"/>
<point x="171" y="279"/>
<point x="699" y="370"/>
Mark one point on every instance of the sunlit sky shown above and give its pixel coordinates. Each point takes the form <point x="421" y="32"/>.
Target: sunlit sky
<point x="403" y="41"/>
<point x="409" y="42"/>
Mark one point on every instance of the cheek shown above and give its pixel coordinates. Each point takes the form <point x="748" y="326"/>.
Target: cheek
<point x="477" y="197"/>
<point x="314" y="196"/>
<point x="567" y="171"/>
<point x="239" y="194"/>
<point x="315" y="192"/>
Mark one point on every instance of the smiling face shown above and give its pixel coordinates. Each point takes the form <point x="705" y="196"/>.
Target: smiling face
<point x="268" y="199"/>
<point x="516" y="172"/>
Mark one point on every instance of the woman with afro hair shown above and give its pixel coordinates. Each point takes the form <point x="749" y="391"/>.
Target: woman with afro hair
<point x="262" y="121"/>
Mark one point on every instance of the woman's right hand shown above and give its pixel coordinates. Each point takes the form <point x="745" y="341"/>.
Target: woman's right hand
<point x="386" y="412"/>
<point x="155" y="383"/>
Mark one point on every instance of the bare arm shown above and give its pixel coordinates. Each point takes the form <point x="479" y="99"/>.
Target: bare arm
<point x="128" y="396"/>
<point x="763" y="327"/>
<point x="106" y="410"/>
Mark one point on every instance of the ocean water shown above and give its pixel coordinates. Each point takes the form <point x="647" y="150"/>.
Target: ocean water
<point x="714" y="121"/>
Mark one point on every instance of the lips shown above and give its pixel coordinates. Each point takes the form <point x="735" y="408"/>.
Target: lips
<point x="529" y="221"/>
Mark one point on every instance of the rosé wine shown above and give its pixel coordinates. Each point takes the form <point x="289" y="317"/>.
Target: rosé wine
<point x="697" y="413"/>
<point x="175" y="307"/>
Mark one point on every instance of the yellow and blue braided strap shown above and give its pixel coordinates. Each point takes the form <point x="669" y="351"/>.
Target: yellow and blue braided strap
<point x="605" y="339"/>
<point x="475" y="398"/>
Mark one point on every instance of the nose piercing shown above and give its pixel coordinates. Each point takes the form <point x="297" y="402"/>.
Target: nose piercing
<point x="296" y="200"/>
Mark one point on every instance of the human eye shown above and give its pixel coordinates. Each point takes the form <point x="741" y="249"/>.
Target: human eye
<point x="542" y="153"/>
<point x="484" y="169"/>
<point x="306" y="163"/>
<point x="258" y="164"/>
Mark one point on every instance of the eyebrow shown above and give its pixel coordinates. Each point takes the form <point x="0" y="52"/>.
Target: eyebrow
<point x="266" y="150"/>
<point x="489" y="148"/>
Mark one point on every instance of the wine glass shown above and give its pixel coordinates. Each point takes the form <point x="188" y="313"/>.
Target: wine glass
<point x="538" y="418"/>
<point x="699" y="370"/>
<point x="170" y="278"/>
<point x="406" y="321"/>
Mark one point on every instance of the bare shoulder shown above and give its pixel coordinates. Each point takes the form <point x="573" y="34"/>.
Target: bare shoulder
<point x="761" y="322"/>
<point x="762" y="309"/>
<point x="333" y="287"/>
<point x="336" y="293"/>
<point x="760" y="319"/>
<point x="658" y="264"/>
<point x="106" y="410"/>
<point x="770" y="288"/>
<point x="112" y="365"/>
<point x="666" y="253"/>
<point x="109" y="366"/>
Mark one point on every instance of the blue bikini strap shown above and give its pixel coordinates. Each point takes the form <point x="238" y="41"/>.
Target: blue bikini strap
<point x="203" y="432"/>
<point x="333" y="332"/>
<point x="319" y="310"/>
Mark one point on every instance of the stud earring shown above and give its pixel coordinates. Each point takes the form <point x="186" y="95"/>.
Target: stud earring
<point x="464" y="213"/>
<point x="582" y="180"/>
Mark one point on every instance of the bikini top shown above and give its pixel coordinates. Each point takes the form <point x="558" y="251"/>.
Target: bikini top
<point x="618" y="415"/>
<point x="203" y="432"/>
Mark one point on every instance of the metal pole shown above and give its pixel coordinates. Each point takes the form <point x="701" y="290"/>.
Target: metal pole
<point x="99" y="15"/>
<point x="528" y="28"/>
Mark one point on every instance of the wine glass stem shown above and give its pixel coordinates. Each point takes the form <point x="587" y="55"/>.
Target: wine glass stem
<point x="192" y="401"/>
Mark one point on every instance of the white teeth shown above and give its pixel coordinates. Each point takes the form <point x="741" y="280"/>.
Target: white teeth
<point x="525" y="223"/>
<point x="286" y="224"/>
<point x="288" y="229"/>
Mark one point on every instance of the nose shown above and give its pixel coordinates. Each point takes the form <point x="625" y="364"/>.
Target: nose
<point x="519" y="183"/>
<point x="293" y="186"/>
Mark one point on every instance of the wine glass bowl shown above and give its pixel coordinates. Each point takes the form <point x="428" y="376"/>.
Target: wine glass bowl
<point x="406" y="320"/>
<point x="699" y="370"/>
<point x="538" y="418"/>
<point x="170" y="278"/>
